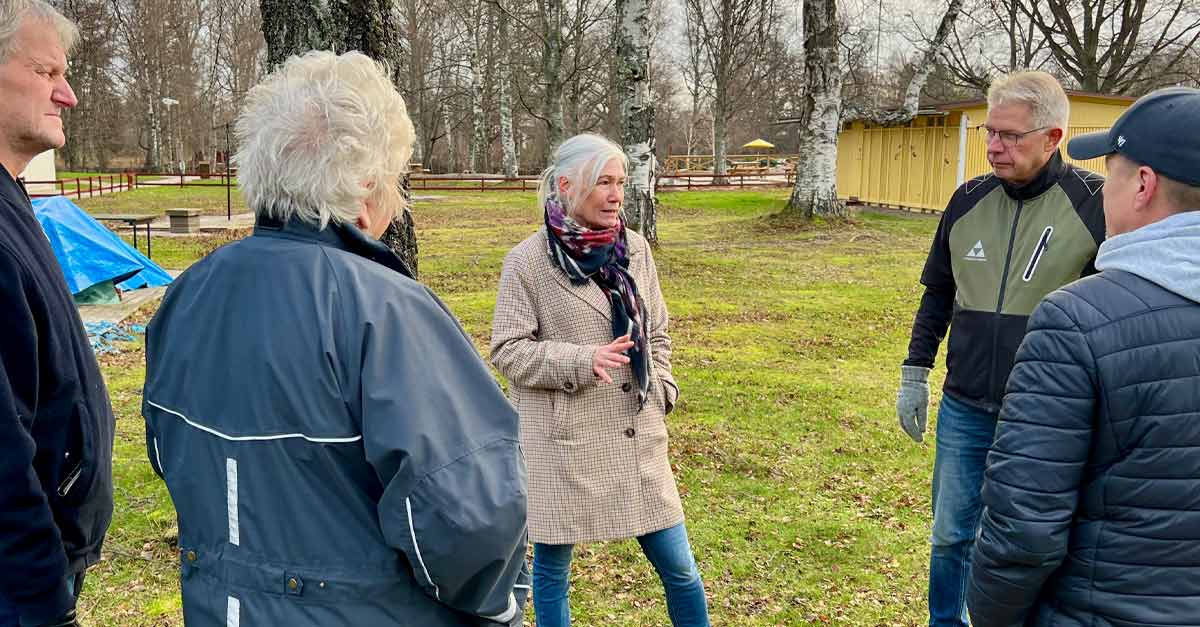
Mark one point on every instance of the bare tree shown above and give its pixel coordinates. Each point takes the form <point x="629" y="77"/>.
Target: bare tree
<point x="733" y="36"/>
<point x="1110" y="47"/>
<point x="691" y="68"/>
<point x="550" y="14"/>
<point x="91" y="124"/>
<point x="922" y="68"/>
<point x="159" y="42"/>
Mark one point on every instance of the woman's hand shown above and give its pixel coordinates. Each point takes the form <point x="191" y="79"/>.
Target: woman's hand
<point x="610" y="356"/>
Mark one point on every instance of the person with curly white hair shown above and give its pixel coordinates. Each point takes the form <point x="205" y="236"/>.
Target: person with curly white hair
<point x="336" y="450"/>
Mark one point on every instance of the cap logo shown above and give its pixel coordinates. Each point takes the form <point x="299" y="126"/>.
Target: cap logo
<point x="1120" y="141"/>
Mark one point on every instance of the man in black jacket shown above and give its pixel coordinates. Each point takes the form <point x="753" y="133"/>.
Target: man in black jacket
<point x="1092" y="489"/>
<point x="56" y="424"/>
<point x="1005" y="241"/>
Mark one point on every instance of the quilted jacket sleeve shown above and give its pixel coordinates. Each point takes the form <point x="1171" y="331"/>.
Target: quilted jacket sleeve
<point x="1035" y="468"/>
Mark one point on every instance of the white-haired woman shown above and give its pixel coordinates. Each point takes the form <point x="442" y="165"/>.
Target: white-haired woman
<point x="336" y="450"/>
<point x="580" y="331"/>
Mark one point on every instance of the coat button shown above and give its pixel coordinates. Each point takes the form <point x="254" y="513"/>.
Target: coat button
<point x="630" y="432"/>
<point x="625" y="387"/>
<point x="293" y="584"/>
<point x="191" y="556"/>
<point x="568" y="386"/>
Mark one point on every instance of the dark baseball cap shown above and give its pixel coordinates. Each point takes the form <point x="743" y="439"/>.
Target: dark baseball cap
<point x="1161" y="130"/>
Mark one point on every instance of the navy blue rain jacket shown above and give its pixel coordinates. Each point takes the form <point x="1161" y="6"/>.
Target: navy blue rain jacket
<point x="337" y="452"/>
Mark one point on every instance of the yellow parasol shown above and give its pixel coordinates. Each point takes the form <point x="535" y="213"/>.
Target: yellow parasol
<point x="758" y="143"/>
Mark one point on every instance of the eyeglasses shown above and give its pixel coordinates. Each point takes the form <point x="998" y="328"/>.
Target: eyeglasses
<point x="1008" y="138"/>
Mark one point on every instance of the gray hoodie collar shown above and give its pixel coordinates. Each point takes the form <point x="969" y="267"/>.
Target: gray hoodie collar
<point x="1166" y="253"/>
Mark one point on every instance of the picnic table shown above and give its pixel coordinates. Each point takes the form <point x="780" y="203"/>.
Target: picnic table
<point x="134" y="220"/>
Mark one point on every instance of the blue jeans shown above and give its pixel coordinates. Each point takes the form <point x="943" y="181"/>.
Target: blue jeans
<point x="964" y="436"/>
<point x="667" y="550"/>
<point x="11" y="617"/>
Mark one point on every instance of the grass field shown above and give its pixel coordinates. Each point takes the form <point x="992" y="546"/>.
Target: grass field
<point x="805" y="502"/>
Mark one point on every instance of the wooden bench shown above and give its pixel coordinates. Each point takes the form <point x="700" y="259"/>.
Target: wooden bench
<point x="134" y="220"/>
<point x="184" y="220"/>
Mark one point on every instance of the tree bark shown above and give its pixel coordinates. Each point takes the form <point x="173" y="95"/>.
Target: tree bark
<point x="369" y="26"/>
<point x="637" y="115"/>
<point x="476" y="160"/>
<point x="507" y="140"/>
<point x="552" y="55"/>
<point x="815" y="192"/>
<point x="293" y="27"/>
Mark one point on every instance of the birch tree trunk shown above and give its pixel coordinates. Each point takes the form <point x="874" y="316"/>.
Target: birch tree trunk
<point x="507" y="140"/>
<point x="637" y="114"/>
<point x="476" y="160"/>
<point x="552" y="53"/>
<point x="296" y="26"/>
<point x="815" y="192"/>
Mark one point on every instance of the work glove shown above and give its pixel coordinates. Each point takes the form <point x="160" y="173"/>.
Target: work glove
<point x="912" y="401"/>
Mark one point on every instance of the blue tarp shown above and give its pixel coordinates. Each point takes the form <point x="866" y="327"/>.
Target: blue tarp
<point x="89" y="253"/>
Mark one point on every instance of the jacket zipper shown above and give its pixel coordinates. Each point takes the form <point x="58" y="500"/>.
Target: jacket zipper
<point x="1012" y="238"/>
<point x="69" y="481"/>
<point x="1043" y="244"/>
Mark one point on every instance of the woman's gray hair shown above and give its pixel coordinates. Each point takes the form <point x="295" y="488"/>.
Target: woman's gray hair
<point x="1041" y="92"/>
<point x="580" y="159"/>
<point x="320" y="135"/>
<point x="13" y="14"/>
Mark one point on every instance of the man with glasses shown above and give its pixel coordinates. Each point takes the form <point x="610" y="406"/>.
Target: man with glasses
<point x="1005" y="240"/>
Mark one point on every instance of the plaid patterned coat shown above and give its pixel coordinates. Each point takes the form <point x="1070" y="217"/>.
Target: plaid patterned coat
<point x="598" y="467"/>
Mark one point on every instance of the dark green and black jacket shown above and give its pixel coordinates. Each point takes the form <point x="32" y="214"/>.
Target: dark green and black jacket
<point x="998" y="250"/>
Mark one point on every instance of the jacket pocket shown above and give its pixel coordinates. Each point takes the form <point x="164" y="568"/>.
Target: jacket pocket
<point x="79" y="458"/>
<point x="560" y="423"/>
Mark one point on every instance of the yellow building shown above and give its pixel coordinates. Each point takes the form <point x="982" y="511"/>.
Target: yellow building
<point x="919" y="165"/>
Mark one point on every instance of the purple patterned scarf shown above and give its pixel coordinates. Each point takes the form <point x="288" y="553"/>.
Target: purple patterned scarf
<point x="601" y="255"/>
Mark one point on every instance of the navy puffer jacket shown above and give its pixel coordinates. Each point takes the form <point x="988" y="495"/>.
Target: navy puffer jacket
<point x="1092" y="490"/>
